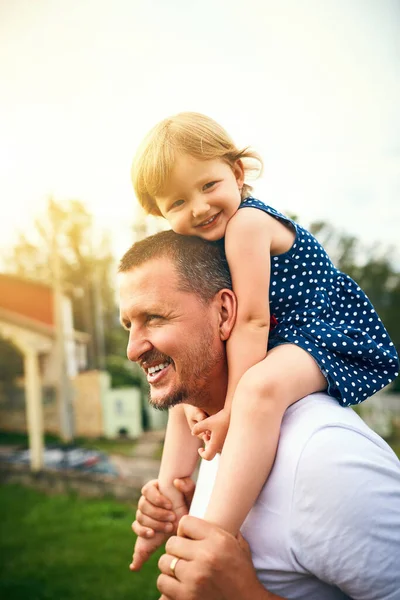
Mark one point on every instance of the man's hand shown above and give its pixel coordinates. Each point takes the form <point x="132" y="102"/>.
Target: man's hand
<point x="212" y="564"/>
<point x="216" y="427"/>
<point x="155" y="520"/>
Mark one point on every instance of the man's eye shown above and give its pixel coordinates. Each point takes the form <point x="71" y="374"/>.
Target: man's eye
<point x="153" y="318"/>
<point x="209" y="185"/>
<point x="176" y="204"/>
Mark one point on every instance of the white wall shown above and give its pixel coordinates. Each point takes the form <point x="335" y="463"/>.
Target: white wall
<point x="122" y="410"/>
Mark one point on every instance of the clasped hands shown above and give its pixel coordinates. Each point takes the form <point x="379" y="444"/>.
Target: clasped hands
<point x="212" y="563"/>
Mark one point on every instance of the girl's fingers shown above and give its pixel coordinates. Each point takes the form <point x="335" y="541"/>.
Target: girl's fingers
<point x="144" y="548"/>
<point x="201" y="427"/>
<point x="209" y="451"/>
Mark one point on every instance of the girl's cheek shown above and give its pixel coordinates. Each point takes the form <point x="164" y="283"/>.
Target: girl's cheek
<point x="180" y="225"/>
<point x="174" y="224"/>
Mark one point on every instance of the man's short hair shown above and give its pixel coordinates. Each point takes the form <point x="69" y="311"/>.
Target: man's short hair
<point x="201" y="265"/>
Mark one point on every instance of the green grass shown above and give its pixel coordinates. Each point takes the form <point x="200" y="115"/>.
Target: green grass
<point x="118" y="446"/>
<point x="68" y="548"/>
<point x="21" y="439"/>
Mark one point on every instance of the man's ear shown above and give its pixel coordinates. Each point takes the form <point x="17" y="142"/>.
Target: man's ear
<point x="227" y="313"/>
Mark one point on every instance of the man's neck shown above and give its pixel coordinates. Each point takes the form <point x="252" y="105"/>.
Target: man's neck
<point x="216" y="392"/>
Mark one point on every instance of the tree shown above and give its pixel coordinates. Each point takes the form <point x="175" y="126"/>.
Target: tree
<point x="86" y="262"/>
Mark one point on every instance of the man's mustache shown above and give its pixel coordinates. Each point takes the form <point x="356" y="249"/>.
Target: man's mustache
<point x="153" y="356"/>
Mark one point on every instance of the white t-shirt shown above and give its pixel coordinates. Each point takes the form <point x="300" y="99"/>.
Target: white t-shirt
<point x="326" y="525"/>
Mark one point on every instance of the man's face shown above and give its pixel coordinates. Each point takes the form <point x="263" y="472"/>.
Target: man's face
<point x="173" y="336"/>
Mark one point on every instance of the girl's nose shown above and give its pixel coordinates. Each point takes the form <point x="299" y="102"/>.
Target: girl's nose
<point x="200" y="208"/>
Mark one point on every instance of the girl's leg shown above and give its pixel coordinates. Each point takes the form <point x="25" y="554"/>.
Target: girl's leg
<point x="262" y="396"/>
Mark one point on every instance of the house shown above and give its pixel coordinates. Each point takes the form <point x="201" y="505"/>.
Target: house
<point x="27" y="318"/>
<point x="94" y="409"/>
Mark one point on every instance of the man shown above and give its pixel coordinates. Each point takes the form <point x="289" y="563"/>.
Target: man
<point x="326" y="525"/>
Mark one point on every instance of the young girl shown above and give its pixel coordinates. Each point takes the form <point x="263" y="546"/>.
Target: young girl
<point x="327" y="337"/>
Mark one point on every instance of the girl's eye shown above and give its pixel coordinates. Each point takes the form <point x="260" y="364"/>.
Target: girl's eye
<point x="209" y="185"/>
<point x="176" y="204"/>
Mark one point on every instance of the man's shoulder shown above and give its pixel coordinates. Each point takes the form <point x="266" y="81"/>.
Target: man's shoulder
<point x="346" y="500"/>
<point x="318" y="412"/>
<point x="333" y="494"/>
<point x="318" y="436"/>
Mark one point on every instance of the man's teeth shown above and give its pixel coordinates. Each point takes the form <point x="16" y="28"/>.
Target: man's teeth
<point x="157" y="368"/>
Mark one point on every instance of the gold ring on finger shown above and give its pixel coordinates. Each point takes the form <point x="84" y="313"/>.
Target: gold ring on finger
<point x="172" y="566"/>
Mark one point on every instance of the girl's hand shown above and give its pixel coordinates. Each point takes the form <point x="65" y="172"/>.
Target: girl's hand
<point x="144" y="548"/>
<point x="215" y="429"/>
<point x="194" y="415"/>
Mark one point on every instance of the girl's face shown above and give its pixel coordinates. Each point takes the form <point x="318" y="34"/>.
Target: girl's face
<point x="201" y="196"/>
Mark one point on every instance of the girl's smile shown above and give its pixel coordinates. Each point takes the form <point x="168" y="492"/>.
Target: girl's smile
<point x="209" y="222"/>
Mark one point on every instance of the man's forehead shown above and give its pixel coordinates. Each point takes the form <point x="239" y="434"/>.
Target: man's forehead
<point x="154" y="282"/>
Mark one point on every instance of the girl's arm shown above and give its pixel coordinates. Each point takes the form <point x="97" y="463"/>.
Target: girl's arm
<point x="248" y="242"/>
<point x="179" y="458"/>
<point x="180" y="455"/>
<point x="248" y="250"/>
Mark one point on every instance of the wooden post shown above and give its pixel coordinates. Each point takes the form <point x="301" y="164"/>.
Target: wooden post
<point x="34" y="408"/>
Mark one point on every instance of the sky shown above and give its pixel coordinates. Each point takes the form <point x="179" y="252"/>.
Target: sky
<point x="313" y="85"/>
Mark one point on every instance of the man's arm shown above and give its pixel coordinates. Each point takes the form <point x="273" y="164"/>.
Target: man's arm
<point x="346" y="514"/>
<point x="212" y="564"/>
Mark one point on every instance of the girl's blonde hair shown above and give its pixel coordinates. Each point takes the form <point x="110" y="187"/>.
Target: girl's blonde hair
<point x="186" y="133"/>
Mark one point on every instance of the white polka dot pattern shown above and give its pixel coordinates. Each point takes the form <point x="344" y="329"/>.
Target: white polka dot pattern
<point x="325" y="312"/>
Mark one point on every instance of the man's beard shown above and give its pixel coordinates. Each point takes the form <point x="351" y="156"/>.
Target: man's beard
<point x="195" y="384"/>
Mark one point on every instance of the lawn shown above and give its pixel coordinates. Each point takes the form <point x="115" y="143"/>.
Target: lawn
<point x="68" y="548"/>
<point x="117" y="446"/>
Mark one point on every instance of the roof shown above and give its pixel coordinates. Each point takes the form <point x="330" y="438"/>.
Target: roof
<point x="37" y="327"/>
<point x="29" y="304"/>
<point x="31" y="299"/>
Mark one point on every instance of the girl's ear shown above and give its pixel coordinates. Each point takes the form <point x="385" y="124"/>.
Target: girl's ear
<point x="227" y="313"/>
<point x="238" y="171"/>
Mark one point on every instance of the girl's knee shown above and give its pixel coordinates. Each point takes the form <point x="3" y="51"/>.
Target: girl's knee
<point x="259" y="389"/>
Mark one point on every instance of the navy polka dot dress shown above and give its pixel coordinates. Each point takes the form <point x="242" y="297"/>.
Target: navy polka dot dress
<point x="325" y="312"/>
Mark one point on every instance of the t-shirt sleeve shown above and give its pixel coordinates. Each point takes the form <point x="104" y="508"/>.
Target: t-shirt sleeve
<point x="345" y="518"/>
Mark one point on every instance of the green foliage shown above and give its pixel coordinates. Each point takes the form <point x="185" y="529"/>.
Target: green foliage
<point x="117" y="446"/>
<point x="21" y="439"/>
<point x="69" y="548"/>
<point x="86" y="268"/>
<point x="123" y="373"/>
<point x="11" y="362"/>
<point x="124" y="447"/>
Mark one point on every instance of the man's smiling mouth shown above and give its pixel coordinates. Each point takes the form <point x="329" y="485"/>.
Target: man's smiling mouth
<point x="156" y="372"/>
<point x="156" y="368"/>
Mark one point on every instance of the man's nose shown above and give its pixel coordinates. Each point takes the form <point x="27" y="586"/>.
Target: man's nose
<point x="138" y="344"/>
<point x="200" y="207"/>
